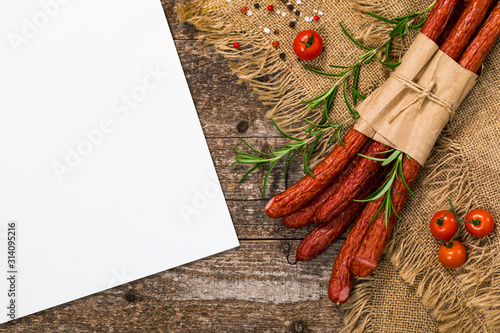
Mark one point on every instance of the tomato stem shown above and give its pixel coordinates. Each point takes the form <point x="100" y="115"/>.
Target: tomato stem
<point x="452" y="209"/>
<point x="474" y="222"/>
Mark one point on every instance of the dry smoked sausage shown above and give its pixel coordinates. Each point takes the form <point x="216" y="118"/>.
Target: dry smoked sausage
<point x="465" y="27"/>
<point x="377" y="237"/>
<point x="296" y="196"/>
<point x="358" y="179"/>
<point x="438" y="18"/>
<point x="305" y="216"/>
<point x="481" y="44"/>
<point x="321" y="237"/>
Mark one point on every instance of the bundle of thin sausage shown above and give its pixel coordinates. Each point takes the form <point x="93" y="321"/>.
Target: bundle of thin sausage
<point x="331" y="199"/>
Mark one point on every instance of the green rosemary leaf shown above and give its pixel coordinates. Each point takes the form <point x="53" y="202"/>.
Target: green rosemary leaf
<point x="281" y="131"/>
<point x="239" y="150"/>
<point x="381" y="18"/>
<point x="353" y="39"/>
<point x="316" y="125"/>
<point x="245" y="159"/>
<point x="372" y="158"/>
<point x="391" y="65"/>
<point x="367" y="60"/>
<point x="287" y="163"/>
<point x="354" y="114"/>
<point x="251" y="170"/>
<point x="396" y="213"/>
<point x="338" y="66"/>
<point x="384" y="188"/>
<point x="403" y="180"/>
<point x="307" y="155"/>
<point x="355" y="83"/>
<point x="377" y="213"/>
<point x="324" y="73"/>
<point x="420" y="25"/>
<point x="315" y="98"/>
<point x="398" y="28"/>
<point x="337" y="132"/>
<point x="395" y="154"/>
<point x="383" y="152"/>
<point x="357" y="93"/>
<point x="254" y="149"/>
<point x="388" y="204"/>
<point x="267" y="178"/>
<point x="328" y="104"/>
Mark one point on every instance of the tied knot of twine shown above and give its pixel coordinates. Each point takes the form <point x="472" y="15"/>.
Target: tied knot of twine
<point x="423" y="93"/>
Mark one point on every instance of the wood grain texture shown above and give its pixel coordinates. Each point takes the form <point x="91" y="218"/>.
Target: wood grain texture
<point x="251" y="288"/>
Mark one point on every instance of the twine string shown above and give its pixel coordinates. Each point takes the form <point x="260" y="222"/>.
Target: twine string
<point x="423" y="93"/>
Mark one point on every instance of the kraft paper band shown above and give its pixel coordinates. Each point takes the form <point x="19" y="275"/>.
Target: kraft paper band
<point x="409" y="111"/>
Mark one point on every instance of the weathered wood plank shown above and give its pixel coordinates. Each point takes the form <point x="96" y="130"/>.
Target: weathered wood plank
<point x="251" y="288"/>
<point x="224" y="155"/>
<point x="251" y="222"/>
<point x="226" y="108"/>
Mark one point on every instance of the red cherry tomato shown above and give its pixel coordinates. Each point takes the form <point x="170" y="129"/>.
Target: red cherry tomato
<point x="447" y="229"/>
<point x="307" y="45"/>
<point x="454" y="256"/>
<point x="486" y="222"/>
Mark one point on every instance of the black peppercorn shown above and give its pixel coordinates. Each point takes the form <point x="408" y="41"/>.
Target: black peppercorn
<point x="297" y="13"/>
<point x="292" y="24"/>
<point x="290" y="7"/>
<point x="256" y="5"/>
<point x="282" y="55"/>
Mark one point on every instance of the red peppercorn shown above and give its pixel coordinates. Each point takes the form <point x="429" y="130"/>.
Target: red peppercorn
<point x="270" y="8"/>
<point x="244" y="10"/>
<point x="236" y="45"/>
<point x="316" y="18"/>
<point x="276" y="43"/>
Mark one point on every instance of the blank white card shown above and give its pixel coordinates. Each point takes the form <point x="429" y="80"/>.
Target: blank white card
<point x="105" y="175"/>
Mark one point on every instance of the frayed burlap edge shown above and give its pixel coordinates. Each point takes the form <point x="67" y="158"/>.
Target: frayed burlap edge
<point x="259" y="66"/>
<point x="468" y="303"/>
<point x="357" y="312"/>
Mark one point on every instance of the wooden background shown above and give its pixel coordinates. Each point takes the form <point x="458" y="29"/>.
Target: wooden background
<point x="251" y="288"/>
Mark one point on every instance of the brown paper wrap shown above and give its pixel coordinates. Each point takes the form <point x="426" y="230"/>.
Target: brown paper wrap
<point x="409" y="111"/>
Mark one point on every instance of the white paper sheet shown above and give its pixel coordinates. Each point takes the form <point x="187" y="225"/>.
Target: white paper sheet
<point x="104" y="168"/>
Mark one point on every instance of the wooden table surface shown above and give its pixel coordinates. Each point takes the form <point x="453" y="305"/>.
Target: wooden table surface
<point x="250" y="288"/>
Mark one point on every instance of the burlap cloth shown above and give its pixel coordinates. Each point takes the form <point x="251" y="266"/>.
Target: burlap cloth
<point x="410" y="291"/>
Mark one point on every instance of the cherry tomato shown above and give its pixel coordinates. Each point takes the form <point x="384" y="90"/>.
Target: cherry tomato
<point x="454" y="256"/>
<point x="485" y="226"/>
<point x="447" y="229"/>
<point x="307" y="45"/>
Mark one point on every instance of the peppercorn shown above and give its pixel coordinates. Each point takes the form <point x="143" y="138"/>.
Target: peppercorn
<point x="282" y="55"/>
<point x="276" y="31"/>
<point x="276" y="44"/>
<point x="297" y="13"/>
<point x="290" y="7"/>
<point x="236" y="45"/>
<point x="316" y="18"/>
<point x="244" y="10"/>
<point x="291" y="24"/>
<point x="270" y="8"/>
<point x="256" y="6"/>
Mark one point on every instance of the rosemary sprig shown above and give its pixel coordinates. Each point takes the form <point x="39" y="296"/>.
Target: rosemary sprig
<point x="401" y="28"/>
<point x="289" y="152"/>
<point x="395" y="157"/>
<point x="348" y="79"/>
